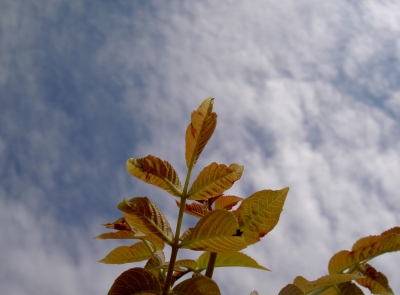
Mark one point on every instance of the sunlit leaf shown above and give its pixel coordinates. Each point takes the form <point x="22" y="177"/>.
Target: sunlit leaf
<point x="258" y="214"/>
<point x="125" y="254"/>
<point x="187" y="263"/>
<point x="199" y="131"/>
<point x="199" y="285"/>
<point x="135" y="281"/>
<point x="121" y="234"/>
<point x="213" y="180"/>
<point x="228" y="259"/>
<point x="143" y="214"/>
<point x="215" y="232"/>
<point x="367" y="248"/>
<point x="195" y="209"/>
<point x="375" y="281"/>
<point x="157" y="242"/>
<point x="155" y="171"/>
<point x="323" y="282"/>
<point x="227" y="202"/>
<point x="291" y="289"/>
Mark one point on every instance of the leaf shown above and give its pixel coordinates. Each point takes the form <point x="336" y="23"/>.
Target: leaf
<point x="199" y="285"/>
<point x="199" y="131"/>
<point x="228" y="259"/>
<point x="119" y="224"/>
<point x="365" y="249"/>
<point x="215" y="233"/>
<point x="227" y="202"/>
<point x="213" y="180"/>
<point x="143" y="214"/>
<point x="258" y="214"/>
<point x="135" y="281"/>
<point x="187" y="263"/>
<point x="375" y="281"/>
<point x="324" y="281"/>
<point x="194" y="209"/>
<point x="254" y="293"/>
<point x="348" y="288"/>
<point x="155" y="171"/>
<point x="121" y="234"/>
<point x="291" y="289"/>
<point x="155" y="265"/>
<point x="125" y="254"/>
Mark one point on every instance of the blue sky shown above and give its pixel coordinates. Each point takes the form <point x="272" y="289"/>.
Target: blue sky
<point x="307" y="95"/>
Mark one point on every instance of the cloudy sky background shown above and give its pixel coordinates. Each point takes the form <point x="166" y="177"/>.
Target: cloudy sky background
<point x="307" y="95"/>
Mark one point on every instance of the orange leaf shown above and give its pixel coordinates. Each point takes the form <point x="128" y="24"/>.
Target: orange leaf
<point x="155" y="171"/>
<point x="194" y="209"/>
<point x="227" y="202"/>
<point x="199" y="131"/>
<point x="213" y="180"/>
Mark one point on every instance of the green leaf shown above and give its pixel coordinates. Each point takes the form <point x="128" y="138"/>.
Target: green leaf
<point x="199" y="285"/>
<point x="364" y="250"/>
<point x="324" y="282"/>
<point x="199" y="131"/>
<point x="155" y="171"/>
<point x="228" y="259"/>
<point x="135" y="281"/>
<point x="213" y="180"/>
<point x="215" y="232"/>
<point x="144" y="215"/>
<point x="227" y="202"/>
<point x="125" y="254"/>
<point x="291" y="289"/>
<point x="258" y="214"/>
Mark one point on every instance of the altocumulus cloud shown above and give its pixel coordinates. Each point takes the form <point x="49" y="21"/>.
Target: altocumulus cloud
<point x="307" y="97"/>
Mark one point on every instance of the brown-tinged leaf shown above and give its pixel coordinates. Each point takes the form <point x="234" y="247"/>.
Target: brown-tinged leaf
<point x="135" y="281"/>
<point x="199" y="131"/>
<point x="324" y="282"/>
<point x="374" y="280"/>
<point x="394" y="230"/>
<point x="215" y="232"/>
<point x="155" y="171"/>
<point x="195" y="209"/>
<point x="258" y="214"/>
<point x="155" y="265"/>
<point x="348" y="288"/>
<point x="367" y="248"/>
<point x="119" y="224"/>
<point x="213" y="180"/>
<point x="291" y="289"/>
<point x="254" y="293"/>
<point x="187" y="263"/>
<point x="121" y="234"/>
<point x="186" y="233"/>
<point x="157" y="242"/>
<point x="143" y="214"/>
<point x="125" y="254"/>
<point x="199" y="285"/>
<point x="228" y="259"/>
<point x="227" y="202"/>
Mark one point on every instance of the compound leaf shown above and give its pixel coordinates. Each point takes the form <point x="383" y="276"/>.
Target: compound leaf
<point x="143" y="214"/>
<point x="215" y="232"/>
<point x="199" y="131"/>
<point x="323" y="282"/>
<point x="125" y="254"/>
<point x="213" y="180"/>
<point x="227" y="202"/>
<point x="258" y="214"/>
<point x="198" y="285"/>
<point x="228" y="259"/>
<point x="135" y="281"/>
<point x="155" y="171"/>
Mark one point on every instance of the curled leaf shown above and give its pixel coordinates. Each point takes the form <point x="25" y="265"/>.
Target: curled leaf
<point x="213" y="180"/>
<point x="227" y="202"/>
<point x="374" y="280"/>
<point x="199" y="131"/>
<point x="194" y="209"/>
<point x="155" y="171"/>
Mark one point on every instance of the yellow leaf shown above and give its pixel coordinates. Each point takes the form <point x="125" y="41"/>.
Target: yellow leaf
<point x="199" y="131"/>
<point x="375" y="281"/>
<point x="347" y="288"/>
<point x="155" y="171"/>
<point x="258" y="214"/>
<point x="291" y="289"/>
<point x="199" y="285"/>
<point x="324" y="282"/>
<point x="227" y="202"/>
<point x="366" y="249"/>
<point x="135" y="281"/>
<point x="215" y="232"/>
<point x="143" y="214"/>
<point x="125" y="254"/>
<point x="228" y="259"/>
<point x="121" y="234"/>
<point x="213" y="180"/>
<point x="194" y="209"/>
<point x="187" y="263"/>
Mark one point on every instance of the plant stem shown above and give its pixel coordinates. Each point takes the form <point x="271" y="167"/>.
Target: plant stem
<point x="211" y="264"/>
<point x="175" y="246"/>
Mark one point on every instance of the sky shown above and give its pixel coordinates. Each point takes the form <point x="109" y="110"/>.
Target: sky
<point x="306" y="93"/>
